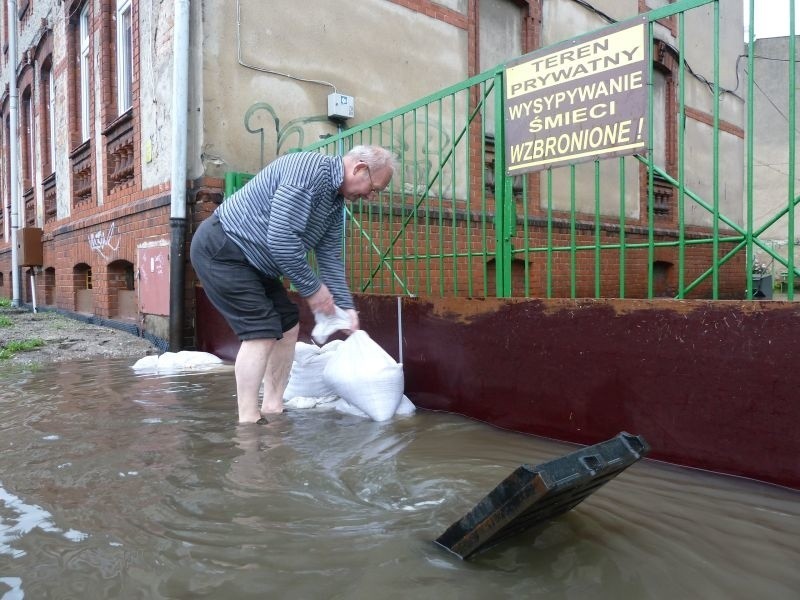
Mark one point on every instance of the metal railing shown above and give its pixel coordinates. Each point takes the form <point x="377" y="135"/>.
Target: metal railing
<point x="453" y="223"/>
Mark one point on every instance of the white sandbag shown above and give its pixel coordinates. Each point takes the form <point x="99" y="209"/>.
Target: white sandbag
<point x="170" y="362"/>
<point x="189" y="359"/>
<point x="362" y="373"/>
<point x="405" y="408"/>
<point x="343" y="406"/>
<point x="304" y="402"/>
<point x="148" y="363"/>
<point x="326" y="325"/>
<point x="305" y="377"/>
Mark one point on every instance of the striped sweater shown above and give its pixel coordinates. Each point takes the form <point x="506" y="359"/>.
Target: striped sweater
<point x="290" y="207"/>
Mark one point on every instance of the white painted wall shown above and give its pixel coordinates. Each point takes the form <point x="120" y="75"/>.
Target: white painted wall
<point x="382" y="54"/>
<point x="771" y="181"/>
<point x="155" y="89"/>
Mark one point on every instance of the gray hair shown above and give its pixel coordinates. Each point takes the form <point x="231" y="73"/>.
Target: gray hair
<point x="375" y="157"/>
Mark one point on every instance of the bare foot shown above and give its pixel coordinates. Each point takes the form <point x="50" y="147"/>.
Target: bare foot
<point x="249" y="415"/>
<point x="271" y="408"/>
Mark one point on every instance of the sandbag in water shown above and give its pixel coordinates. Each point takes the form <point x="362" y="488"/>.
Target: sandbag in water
<point x="185" y="360"/>
<point x="364" y="374"/>
<point x="305" y="378"/>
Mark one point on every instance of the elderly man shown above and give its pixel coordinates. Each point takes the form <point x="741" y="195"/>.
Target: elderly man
<point x="263" y="232"/>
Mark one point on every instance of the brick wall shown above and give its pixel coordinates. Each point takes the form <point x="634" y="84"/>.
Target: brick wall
<point x="442" y="254"/>
<point x="98" y="240"/>
<point x="104" y="229"/>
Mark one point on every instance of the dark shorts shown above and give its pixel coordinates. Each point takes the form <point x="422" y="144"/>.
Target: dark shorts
<point x="254" y="305"/>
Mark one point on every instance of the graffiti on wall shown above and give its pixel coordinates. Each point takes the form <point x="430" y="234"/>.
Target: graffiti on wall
<point x="104" y="241"/>
<point x="424" y="145"/>
<point x="288" y="138"/>
<point x="428" y="157"/>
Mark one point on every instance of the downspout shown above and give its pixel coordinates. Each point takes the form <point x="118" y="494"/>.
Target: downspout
<point x="13" y="158"/>
<point x="177" y="221"/>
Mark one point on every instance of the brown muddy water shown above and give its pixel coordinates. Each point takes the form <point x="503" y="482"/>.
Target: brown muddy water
<point x="117" y="485"/>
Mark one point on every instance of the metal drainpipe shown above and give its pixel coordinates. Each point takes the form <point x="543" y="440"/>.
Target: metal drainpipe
<point x="13" y="154"/>
<point x="177" y="222"/>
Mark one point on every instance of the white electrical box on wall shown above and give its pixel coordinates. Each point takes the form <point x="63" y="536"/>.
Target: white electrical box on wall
<point x="341" y="107"/>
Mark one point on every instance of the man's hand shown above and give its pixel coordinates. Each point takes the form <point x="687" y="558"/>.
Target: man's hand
<point x="354" y="324"/>
<point x="321" y="301"/>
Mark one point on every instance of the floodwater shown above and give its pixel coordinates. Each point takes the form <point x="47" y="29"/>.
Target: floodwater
<point x="117" y="485"/>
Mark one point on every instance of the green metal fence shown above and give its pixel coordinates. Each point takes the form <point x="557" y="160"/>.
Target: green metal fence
<point x="675" y="222"/>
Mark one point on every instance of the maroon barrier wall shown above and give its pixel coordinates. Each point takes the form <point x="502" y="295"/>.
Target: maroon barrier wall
<point x="708" y="384"/>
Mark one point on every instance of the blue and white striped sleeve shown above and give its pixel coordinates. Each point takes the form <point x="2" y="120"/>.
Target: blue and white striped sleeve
<point x="331" y="266"/>
<point x="289" y="212"/>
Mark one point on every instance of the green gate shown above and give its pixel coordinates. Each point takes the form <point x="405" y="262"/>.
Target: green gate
<point x="679" y="221"/>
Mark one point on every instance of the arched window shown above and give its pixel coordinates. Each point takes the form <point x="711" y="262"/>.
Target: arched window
<point x="47" y="124"/>
<point x="27" y="135"/>
<point x="123" y="301"/>
<point x="46" y="137"/>
<point x="82" y="287"/>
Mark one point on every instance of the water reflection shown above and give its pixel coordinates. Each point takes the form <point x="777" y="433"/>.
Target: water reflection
<point x="118" y="485"/>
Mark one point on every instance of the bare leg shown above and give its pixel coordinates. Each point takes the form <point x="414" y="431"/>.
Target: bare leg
<point x="251" y="364"/>
<point x="276" y="375"/>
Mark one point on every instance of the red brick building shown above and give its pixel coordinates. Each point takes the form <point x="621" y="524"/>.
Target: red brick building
<point x="95" y="135"/>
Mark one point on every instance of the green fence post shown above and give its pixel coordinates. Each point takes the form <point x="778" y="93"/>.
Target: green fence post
<point x="503" y="198"/>
<point x="234" y="181"/>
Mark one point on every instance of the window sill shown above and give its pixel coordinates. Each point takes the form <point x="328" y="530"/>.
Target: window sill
<point x="80" y="149"/>
<point x="119" y="123"/>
